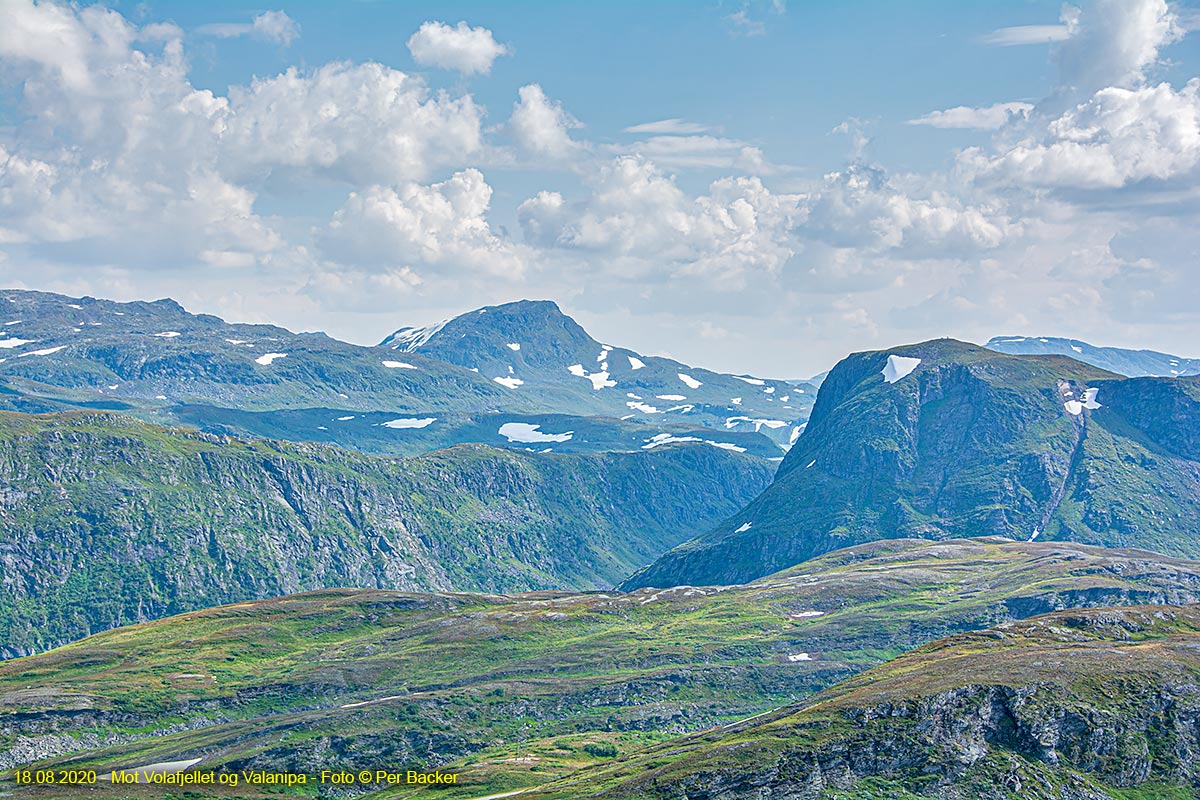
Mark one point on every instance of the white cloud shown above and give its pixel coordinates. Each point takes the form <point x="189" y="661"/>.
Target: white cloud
<point x="1116" y="138"/>
<point x="701" y="151"/>
<point x="462" y="48"/>
<point x="1027" y="34"/>
<point x="443" y="225"/>
<point x="1114" y="43"/>
<point x="985" y="118"/>
<point x="274" y="26"/>
<point x="674" y="126"/>
<point x="540" y="126"/>
<point x="362" y="124"/>
<point x="636" y="212"/>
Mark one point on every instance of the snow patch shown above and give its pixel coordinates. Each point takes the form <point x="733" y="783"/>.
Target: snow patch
<point x="266" y="358"/>
<point x="744" y="527"/>
<point x="46" y="352"/>
<point x="345" y="419"/>
<point x="1089" y="399"/>
<point x="799" y="657"/>
<point x="168" y="334"/>
<point x="510" y="383"/>
<point x="751" y="381"/>
<point x="236" y="341"/>
<point x="524" y="432"/>
<point x="643" y="407"/>
<point x="691" y="382"/>
<point x="666" y="438"/>
<point x="409" y="339"/>
<point x="807" y="614"/>
<point x="410" y="422"/>
<point x="735" y="401"/>
<point x="795" y="435"/>
<point x="635" y="363"/>
<point x="671" y="397"/>
<point x="899" y="367"/>
<point x="733" y="422"/>
<point x="599" y="379"/>
<point x="398" y="365"/>
<point x="1077" y="349"/>
<point x="8" y="344"/>
<point x="514" y="346"/>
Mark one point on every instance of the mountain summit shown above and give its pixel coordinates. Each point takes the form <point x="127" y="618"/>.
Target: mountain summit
<point x="945" y="439"/>
<point x="534" y="349"/>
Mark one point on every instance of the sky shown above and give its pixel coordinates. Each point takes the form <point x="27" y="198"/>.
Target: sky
<point x="750" y="186"/>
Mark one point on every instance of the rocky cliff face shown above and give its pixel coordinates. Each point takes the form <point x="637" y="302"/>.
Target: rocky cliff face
<point x="106" y="521"/>
<point x="967" y="443"/>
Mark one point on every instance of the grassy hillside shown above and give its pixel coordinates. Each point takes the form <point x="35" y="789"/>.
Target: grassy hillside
<point x="106" y="521"/>
<point x="512" y="691"/>
<point x="1096" y="704"/>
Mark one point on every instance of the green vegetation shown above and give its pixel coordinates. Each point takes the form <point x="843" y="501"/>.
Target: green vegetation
<point x="108" y="521"/>
<point x="971" y="443"/>
<point x="1095" y="703"/>
<point x="513" y="691"/>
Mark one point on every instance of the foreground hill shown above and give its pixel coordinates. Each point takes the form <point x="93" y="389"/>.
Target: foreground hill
<point x="514" y="690"/>
<point x="1134" y="363"/>
<point x="1079" y="705"/>
<point x="946" y="439"/>
<point x="105" y="520"/>
<point x="536" y="350"/>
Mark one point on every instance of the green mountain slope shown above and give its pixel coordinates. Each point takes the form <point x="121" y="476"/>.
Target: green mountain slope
<point x="105" y="520"/>
<point x="1086" y="705"/>
<point x="544" y="353"/>
<point x="511" y="690"/>
<point x="1134" y="363"/>
<point x="967" y="442"/>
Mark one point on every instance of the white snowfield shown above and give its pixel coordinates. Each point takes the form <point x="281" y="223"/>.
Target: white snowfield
<point x="46" y="352"/>
<point x="745" y="526"/>
<point x="168" y="334"/>
<point x="511" y="383"/>
<point x="599" y="379"/>
<point x="398" y="365"/>
<point x="157" y="768"/>
<point x="733" y="422"/>
<point x="410" y="422"/>
<point x="635" y="363"/>
<point x="691" y="382"/>
<point x="751" y="381"/>
<point x="666" y="438"/>
<point x="898" y="367"/>
<point x="409" y="339"/>
<point x="671" y="397"/>
<point x="266" y="358"/>
<point x="524" y="432"/>
<point x="514" y="346"/>
<point x="8" y="344"/>
<point x="800" y="657"/>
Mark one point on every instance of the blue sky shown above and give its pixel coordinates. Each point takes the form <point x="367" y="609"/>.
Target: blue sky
<point x="807" y="179"/>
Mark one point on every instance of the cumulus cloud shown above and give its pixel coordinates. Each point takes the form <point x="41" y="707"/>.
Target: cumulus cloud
<point x="145" y="168"/>
<point x="462" y="48"/>
<point x="1114" y="43"/>
<point x="637" y="212"/>
<point x="443" y="224"/>
<point x="985" y="118"/>
<point x="363" y="123"/>
<point x="1117" y="138"/>
<point x="274" y="26"/>
<point x="541" y="126"/>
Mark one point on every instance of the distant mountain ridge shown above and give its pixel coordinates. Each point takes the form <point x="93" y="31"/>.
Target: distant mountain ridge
<point x="533" y="347"/>
<point x="945" y="439"/>
<point x="1132" y="363"/>
<point x="156" y="361"/>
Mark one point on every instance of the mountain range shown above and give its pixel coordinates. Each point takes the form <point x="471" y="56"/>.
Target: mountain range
<point x="1131" y="363"/>
<point x="162" y="364"/>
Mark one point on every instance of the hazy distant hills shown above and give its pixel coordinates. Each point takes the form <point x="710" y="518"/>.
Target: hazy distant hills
<point x="161" y="363"/>
<point x="945" y="439"/>
<point x="1133" y="363"/>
